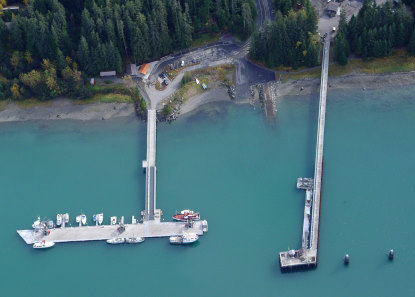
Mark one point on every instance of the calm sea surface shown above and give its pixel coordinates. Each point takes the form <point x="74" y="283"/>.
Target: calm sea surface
<point x="240" y="172"/>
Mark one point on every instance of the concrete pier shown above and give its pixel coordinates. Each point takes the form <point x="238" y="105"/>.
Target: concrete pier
<point x="148" y="229"/>
<point x="307" y="256"/>
<point x="151" y="225"/>
<point x="150" y="166"/>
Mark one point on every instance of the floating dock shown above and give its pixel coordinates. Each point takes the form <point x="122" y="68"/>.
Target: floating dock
<point x="151" y="224"/>
<point x="147" y="229"/>
<point x="307" y="255"/>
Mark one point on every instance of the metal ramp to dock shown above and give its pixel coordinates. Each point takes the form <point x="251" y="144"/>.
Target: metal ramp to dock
<point x="307" y="256"/>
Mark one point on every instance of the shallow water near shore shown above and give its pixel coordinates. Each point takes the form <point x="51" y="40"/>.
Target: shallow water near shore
<point x="240" y="172"/>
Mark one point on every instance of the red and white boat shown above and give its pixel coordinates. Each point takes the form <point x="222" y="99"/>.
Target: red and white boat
<point x="186" y="215"/>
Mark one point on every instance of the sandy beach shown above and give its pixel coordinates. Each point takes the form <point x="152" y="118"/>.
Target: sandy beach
<point x="61" y="108"/>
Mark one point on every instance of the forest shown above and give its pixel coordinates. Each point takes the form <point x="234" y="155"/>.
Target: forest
<point x="50" y="46"/>
<point x="290" y="40"/>
<point x="375" y="32"/>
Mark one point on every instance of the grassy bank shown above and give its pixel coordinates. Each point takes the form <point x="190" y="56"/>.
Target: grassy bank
<point x="211" y="76"/>
<point x="400" y="61"/>
<point x="3" y="104"/>
<point x="107" y="98"/>
<point x="205" y="39"/>
<point x="107" y="93"/>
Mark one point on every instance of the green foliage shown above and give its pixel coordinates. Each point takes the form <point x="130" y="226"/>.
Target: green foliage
<point x="167" y="110"/>
<point x="411" y="45"/>
<point x="378" y="29"/>
<point x="284" y="6"/>
<point x="187" y="77"/>
<point x="102" y="35"/>
<point x="290" y="40"/>
<point x="341" y="49"/>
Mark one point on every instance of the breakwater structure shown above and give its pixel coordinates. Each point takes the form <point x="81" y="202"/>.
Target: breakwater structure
<point x="150" y="224"/>
<point x="307" y="255"/>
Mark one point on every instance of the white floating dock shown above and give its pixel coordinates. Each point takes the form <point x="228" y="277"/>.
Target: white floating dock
<point x="147" y="229"/>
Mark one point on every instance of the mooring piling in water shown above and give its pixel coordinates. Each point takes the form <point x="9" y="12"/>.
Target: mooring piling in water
<point x="391" y="254"/>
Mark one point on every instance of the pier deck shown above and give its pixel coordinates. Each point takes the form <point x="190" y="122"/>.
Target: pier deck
<point x="307" y="256"/>
<point x="151" y="225"/>
<point x="104" y="232"/>
<point x="150" y="166"/>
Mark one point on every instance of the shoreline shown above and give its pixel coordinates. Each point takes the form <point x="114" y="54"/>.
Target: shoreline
<point x="65" y="109"/>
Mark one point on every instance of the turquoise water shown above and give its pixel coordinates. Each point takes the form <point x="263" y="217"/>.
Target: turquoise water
<point x="240" y="172"/>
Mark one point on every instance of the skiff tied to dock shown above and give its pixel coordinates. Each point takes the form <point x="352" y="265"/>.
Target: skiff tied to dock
<point x="307" y="255"/>
<point x="184" y="230"/>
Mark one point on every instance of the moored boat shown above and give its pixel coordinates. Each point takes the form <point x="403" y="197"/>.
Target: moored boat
<point x="176" y="239"/>
<point x="66" y="218"/>
<point x="189" y="238"/>
<point x="186" y="215"/>
<point x="83" y="219"/>
<point x="58" y="219"/>
<point x="186" y="238"/>
<point x="113" y="220"/>
<point x="43" y="244"/>
<point x="100" y="218"/>
<point x="116" y="240"/>
<point x="38" y="224"/>
<point x="134" y="239"/>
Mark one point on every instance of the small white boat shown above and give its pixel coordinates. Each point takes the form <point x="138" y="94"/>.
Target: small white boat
<point x="186" y="238"/>
<point x="83" y="219"/>
<point x="189" y="238"/>
<point x="117" y="240"/>
<point x="113" y="220"/>
<point x="50" y="224"/>
<point x="175" y="239"/>
<point x="134" y="239"/>
<point x="205" y="226"/>
<point x="100" y="218"/>
<point x="58" y="219"/>
<point x="78" y="219"/>
<point x="43" y="244"/>
<point x="66" y="218"/>
<point x="38" y="224"/>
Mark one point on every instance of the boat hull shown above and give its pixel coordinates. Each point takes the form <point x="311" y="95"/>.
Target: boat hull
<point x="183" y="218"/>
<point x="183" y="239"/>
<point x="43" y="245"/>
<point x="133" y="240"/>
<point x="116" y="241"/>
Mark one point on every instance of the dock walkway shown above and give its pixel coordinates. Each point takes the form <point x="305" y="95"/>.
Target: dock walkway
<point x="150" y="166"/>
<point x="104" y="232"/>
<point x="151" y="225"/>
<point x="307" y="256"/>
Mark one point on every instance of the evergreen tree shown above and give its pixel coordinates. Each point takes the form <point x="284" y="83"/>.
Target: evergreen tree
<point x="83" y="54"/>
<point x="411" y="45"/>
<point x="341" y="49"/>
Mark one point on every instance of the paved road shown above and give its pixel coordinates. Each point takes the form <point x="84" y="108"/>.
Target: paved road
<point x="226" y="51"/>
